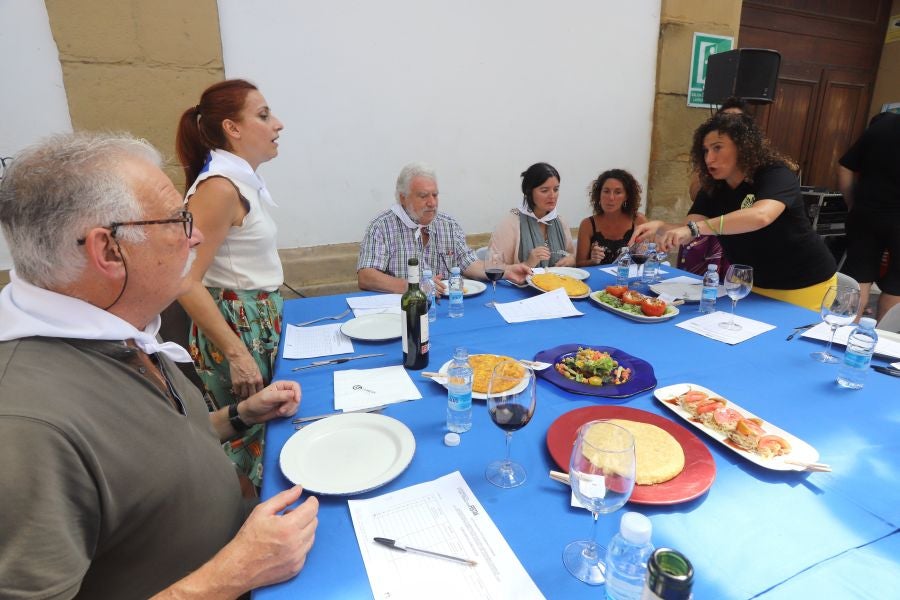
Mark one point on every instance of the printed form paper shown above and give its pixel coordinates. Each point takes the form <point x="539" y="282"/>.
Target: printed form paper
<point x="549" y="305"/>
<point x="888" y="342"/>
<point x="708" y="326"/>
<point x="441" y="516"/>
<point x="311" y="342"/>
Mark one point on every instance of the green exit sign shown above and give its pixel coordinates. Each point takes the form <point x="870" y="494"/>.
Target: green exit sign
<point x="704" y="45"/>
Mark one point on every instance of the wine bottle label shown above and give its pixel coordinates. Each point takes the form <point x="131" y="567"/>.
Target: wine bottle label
<point x="403" y="337"/>
<point x="423" y="328"/>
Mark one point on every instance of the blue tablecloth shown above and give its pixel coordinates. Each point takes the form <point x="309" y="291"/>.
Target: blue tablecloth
<point x="755" y="533"/>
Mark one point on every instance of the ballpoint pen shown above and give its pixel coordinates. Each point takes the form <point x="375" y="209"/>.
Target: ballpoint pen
<point x="395" y="546"/>
<point x="800" y="329"/>
<point x="887" y="370"/>
<point x="335" y="361"/>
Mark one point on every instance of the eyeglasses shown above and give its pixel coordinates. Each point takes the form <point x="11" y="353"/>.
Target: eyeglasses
<point x="186" y="219"/>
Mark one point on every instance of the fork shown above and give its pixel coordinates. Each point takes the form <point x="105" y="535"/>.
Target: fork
<point x="334" y="318"/>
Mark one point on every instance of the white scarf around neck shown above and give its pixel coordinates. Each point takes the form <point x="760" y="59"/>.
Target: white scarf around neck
<point x="222" y="162"/>
<point x="404" y="217"/>
<point x="545" y="219"/>
<point x="28" y="311"/>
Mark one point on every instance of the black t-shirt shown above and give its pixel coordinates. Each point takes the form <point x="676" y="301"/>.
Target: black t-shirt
<point x="786" y="254"/>
<point x="876" y="157"/>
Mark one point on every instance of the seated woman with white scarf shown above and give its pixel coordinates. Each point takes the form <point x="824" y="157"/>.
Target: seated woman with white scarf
<point x="233" y="301"/>
<point x="534" y="234"/>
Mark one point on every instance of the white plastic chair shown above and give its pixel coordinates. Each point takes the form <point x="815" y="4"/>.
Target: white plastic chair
<point x="891" y="320"/>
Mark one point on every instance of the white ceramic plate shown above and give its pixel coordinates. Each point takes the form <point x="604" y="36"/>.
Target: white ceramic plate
<point x="472" y="287"/>
<point x="800" y="450"/>
<point x="579" y="274"/>
<point x="445" y="368"/>
<point x="578" y="297"/>
<point x="347" y="454"/>
<point x="673" y="311"/>
<point x="686" y="291"/>
<point x="377" y="327"/>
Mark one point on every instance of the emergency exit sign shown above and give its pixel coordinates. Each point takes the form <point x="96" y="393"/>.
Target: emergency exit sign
<point x="704" y="45"/>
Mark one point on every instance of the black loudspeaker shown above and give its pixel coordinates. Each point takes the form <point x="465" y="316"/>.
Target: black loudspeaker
<point x="747" y="73"/>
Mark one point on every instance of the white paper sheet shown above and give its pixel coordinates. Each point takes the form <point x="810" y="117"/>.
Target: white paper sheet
<point x="310" y="342"/>
<point x="443" y="516"/>
<point x="549" y="305"/>
<point x="378" y="303"/>
<point x="888" y="343"/>
<point x="708" y="326"/>
<point x="363" y="388"/>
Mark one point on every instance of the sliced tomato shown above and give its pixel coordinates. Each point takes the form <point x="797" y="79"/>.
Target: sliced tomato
<point x="726" y="418"/>
<point x="777" y="445"/>
<point x="748" y="427"/>
<point x="653" y="307"/>
<point x="616" y="290"/>
<point x="632" y="297"/>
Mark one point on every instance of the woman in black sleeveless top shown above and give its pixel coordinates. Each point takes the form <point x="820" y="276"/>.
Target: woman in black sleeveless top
<point x="615" y="196"/>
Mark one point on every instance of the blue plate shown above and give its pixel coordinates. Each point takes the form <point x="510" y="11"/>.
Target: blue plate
<point x="642" y="376"/>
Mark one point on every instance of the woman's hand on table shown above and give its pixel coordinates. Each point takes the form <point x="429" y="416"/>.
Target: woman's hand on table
<point x="246" y="379"/>
<point x="566" y="261"/>
<point x="674" y="238"/>
<point x="279" y="399"/>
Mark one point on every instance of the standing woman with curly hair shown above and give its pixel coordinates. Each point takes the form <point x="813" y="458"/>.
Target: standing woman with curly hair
<point x="233" y="302"/>
<point x="615" y="196"/>
<point x="750" y="198"/>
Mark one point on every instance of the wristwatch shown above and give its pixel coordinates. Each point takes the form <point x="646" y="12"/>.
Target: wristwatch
<point x="237" y="423"/>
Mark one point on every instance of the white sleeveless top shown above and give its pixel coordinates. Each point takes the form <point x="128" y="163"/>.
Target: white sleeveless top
<point x="247" y="258"/>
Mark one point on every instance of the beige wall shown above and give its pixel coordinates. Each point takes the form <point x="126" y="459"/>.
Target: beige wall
<point x="887" y="81"/>
<point x="673" y="121"/>
<point x="135" y="65"/>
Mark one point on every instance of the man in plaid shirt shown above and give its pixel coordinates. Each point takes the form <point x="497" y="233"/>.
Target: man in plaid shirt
<point x="414" y="227"/>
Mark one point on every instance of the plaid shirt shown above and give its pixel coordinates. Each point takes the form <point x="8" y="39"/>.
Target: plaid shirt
<point x="388" y="244"/>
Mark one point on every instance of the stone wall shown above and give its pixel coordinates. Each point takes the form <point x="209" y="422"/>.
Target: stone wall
<point x="673" y="121"/>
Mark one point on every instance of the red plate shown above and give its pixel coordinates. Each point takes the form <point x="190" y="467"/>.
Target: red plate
<point x="699" y="466"/>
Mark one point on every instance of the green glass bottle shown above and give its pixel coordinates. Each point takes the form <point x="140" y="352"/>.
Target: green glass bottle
<point x="414" y="317"/>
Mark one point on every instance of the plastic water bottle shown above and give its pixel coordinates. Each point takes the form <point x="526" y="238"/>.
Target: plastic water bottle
<point x="858" y="355"/>
<point x="459" y="392"/>
<point x="456" y="293"/>
<point x="623" y="267"/>
<point x="627" y="556"/>
<point x="652" y="264"/>
<point x="710" y="292"/>
<point x="427" y="286"/>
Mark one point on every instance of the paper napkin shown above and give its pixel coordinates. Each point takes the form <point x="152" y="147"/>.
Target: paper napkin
<point x="364" y="388"/>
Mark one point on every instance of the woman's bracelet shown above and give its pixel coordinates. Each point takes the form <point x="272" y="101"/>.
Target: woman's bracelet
<point x="694" y="229"/>
<point x="721" y="224"/>
<point x="711" y="230"/>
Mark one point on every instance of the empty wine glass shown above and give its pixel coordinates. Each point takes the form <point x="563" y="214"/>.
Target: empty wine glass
<point x="839" y="306"/>
<point x="493" y="270"/>
<point x="511" y="400"/>
<point x="601" y="473"/>
<point x="738" y="283"/>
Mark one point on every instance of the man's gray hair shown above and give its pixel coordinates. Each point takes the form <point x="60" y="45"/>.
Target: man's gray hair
<point x="60" y="188"/>
<point x="408" y="173"/>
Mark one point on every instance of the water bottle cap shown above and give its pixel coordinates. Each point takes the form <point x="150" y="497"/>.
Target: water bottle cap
<point x="451" y="439"/>
<point x="461" y="353"/>
<point x="712" y="268"/>
<point x="867" y="322"/>
<point x="454" y="271"/>
<point x="636" y="528"/>
<point x="427" y="274"/>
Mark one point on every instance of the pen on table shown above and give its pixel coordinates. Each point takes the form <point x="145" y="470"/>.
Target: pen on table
<point x="887" y="370"/>
<point x="394" y="545"/>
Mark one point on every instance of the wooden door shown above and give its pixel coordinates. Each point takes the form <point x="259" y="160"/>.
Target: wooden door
<point x="830" y="52"/>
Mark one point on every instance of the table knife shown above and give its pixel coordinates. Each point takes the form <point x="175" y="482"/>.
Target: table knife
<point x="334" y="361"/>
<point x="394" y="545"/>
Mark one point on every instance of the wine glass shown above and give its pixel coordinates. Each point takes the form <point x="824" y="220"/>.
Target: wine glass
<point x="738" y="283"/>
<point x="839" y="307"/>
<point x="601" y="473"/>
<point x="511" y="400"/>
<point x="639" y="254"/>
<point x="493" y="270"/>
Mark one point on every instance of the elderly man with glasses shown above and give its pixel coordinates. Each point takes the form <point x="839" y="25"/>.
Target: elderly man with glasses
<point x="114" y="481"/>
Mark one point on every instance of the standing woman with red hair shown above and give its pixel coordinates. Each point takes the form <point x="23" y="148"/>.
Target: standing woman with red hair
<point x="234" y="303"/>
